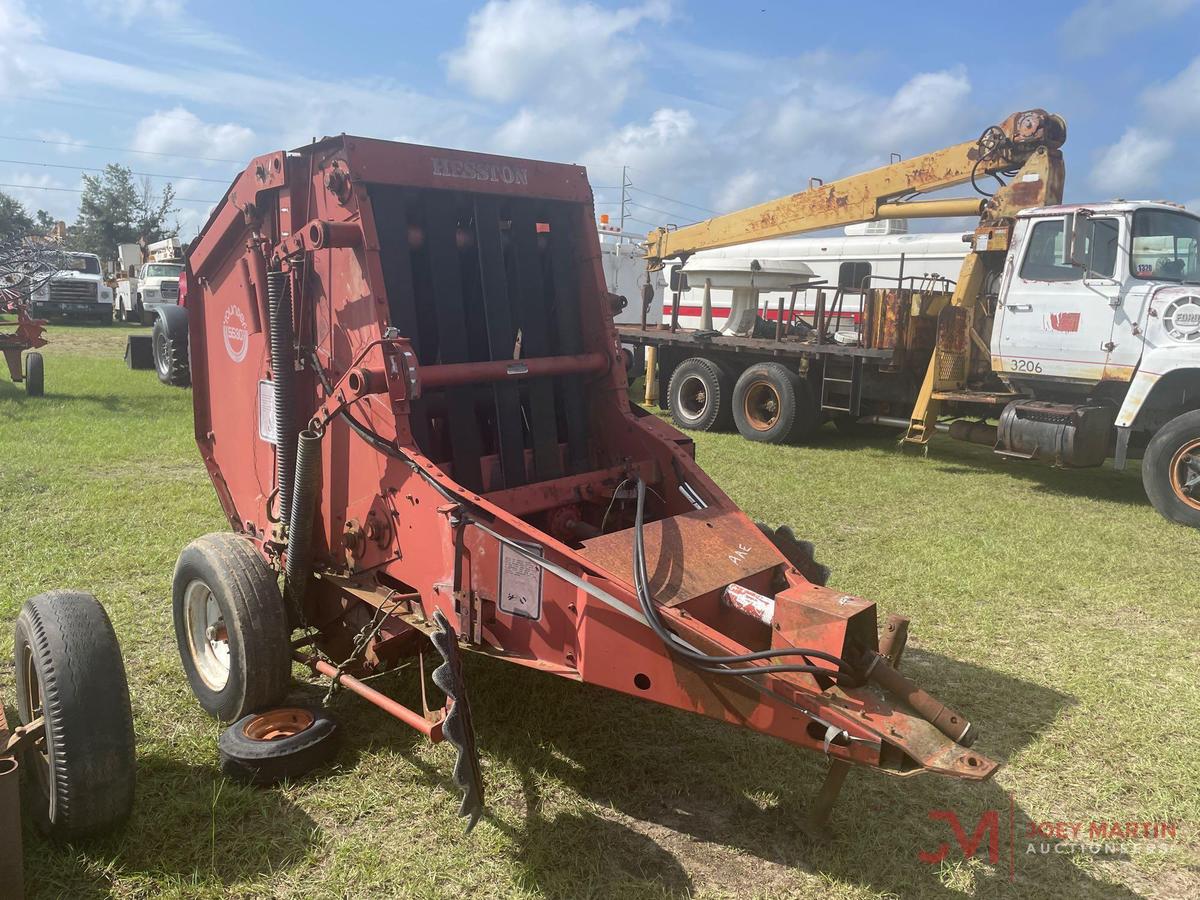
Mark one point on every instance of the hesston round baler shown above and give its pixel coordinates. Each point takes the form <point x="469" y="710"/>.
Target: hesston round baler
<point x="410" y="399"/>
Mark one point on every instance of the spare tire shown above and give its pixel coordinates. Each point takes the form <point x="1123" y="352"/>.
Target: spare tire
<point x="277" y="744"/>
<point x="70" y="672"/>
<point x="698" y="395"/>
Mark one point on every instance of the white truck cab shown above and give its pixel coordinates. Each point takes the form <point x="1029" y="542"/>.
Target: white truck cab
<point x="1098" y="318"/>
<point x="77" y="291"/>
<point x="149" y="279"/>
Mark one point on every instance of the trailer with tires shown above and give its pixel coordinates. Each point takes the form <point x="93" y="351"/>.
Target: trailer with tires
<point x="75" y="741"/>
<point x="1071" y="334"/>
<point x="410" y="399"/>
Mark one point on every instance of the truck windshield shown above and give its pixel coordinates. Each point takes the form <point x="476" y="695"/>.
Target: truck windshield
<point x="1164" y="246"/>
<point x="161" y="270"/>
<point x="89" y="265"/>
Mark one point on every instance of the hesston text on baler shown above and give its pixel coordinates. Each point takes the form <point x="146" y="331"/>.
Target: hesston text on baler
<point x="409" y="397"/>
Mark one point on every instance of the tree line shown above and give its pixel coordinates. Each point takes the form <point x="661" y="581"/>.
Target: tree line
<point x="114" y="208"/>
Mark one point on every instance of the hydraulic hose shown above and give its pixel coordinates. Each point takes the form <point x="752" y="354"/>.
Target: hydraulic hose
<point x="283" y="375"/>
<point x="718" y="665"/>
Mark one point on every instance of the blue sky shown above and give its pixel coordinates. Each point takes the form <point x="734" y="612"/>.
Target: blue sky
<point x="711" y="104"/>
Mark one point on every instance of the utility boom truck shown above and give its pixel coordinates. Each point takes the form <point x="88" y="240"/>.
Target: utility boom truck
<point x="1071" y="335"/>
<point x="149" y="279"/>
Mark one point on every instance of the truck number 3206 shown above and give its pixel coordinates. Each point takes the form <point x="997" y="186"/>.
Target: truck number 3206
<point x="1025" y="365"/>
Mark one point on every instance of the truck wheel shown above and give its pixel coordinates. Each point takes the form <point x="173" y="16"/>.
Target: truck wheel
<point x="772" y="404"/>
<point x="69" y="672"/>
<point x="277" y="744"/>
<point x="698" y="395"/>
<point x="35" y="374"/>
<point x="231" y="626"/>
<point x="1171" y="469"/>
<point x="170" y="355"/>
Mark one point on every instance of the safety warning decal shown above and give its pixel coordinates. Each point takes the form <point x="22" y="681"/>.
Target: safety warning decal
<point x="520" y="582"/>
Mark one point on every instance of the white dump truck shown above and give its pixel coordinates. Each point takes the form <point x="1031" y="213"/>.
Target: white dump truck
<point x="77" y="291"/>
<point x="148" y="278"/>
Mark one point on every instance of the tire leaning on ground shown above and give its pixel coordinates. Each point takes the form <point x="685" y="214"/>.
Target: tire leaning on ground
<point x="35" y="374"/>
<point x="231" y="626"/>
<point x="698" y="395"/>
<point x="277" y="744"/>
<point x="1171" y="469"/>
<point x="772" y="404"/>
<point x="171" y="353"/>
<point x="70" y="672"/>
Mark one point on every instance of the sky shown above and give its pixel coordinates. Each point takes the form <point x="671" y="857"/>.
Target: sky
<point x="710" y="105"/>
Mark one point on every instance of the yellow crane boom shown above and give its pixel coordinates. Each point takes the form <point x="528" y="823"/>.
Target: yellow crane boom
<point x="1024" y="148"/>
<point x="1024" y="138"/>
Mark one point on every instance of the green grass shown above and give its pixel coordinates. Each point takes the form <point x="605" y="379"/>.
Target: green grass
<point x="1054" y="607"/>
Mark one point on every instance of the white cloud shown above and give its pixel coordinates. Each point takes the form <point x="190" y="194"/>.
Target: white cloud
<point x="1175" y="104"/>
<point x="129" y="11"/>
<point x="551" y="51"/>
<point x="179" y="131"/>
<point x="1097" y="24"/>
<point x="18" y="28"/>
<point x="1131" y="164"/>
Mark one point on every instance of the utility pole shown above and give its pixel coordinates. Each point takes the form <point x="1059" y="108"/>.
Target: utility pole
<point x="626" y="184"/>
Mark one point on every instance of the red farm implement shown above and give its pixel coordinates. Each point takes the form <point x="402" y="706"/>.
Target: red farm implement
<point x="410" y="399"/>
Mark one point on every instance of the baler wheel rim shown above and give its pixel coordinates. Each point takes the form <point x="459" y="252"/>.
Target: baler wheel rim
<point x="277" y="724"/>
<point x="1185" y="461"/>
<point x="205" y="627"/>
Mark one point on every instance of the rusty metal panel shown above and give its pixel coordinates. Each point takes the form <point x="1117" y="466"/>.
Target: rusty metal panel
<point x="689" y="554"/>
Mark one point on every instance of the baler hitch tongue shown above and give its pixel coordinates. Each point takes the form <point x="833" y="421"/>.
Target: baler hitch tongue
<point x="458" y="727"/>
<point x="946" y="720"/>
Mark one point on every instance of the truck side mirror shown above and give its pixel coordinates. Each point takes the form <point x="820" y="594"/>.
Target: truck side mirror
<point x="678" y="279"/>
<point x="1074" y="245"/>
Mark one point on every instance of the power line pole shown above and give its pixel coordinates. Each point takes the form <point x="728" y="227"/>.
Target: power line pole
<point x="626" y="184"/>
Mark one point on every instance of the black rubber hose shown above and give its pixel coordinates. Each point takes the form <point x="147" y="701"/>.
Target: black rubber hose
<point x="283" y="374"/>
<point x="304" y="500"/>
<point x="703" y="661"/>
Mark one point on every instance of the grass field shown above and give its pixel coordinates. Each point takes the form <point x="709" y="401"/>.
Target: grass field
<point x="1053" y="607"/>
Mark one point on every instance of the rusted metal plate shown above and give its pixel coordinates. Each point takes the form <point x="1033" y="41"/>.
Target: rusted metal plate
<point x="689" y="554"/>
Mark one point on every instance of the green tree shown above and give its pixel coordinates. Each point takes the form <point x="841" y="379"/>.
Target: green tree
<point x="114" y="209"/>
<point x="14" y="219"/>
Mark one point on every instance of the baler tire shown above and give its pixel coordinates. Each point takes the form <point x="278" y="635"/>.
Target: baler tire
<point x="257" y="669"/>
<point x="1180" y="437"/>
<point x="773" y="405"/>
<point x="714" y="380"/>
<point x="69" y="671"/>
<point x="280" y="753"/>
<point x="170" y="355"/>
<point x="35" y="374"/>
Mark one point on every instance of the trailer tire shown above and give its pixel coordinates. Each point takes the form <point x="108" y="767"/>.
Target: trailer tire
<point x="277" y="744"/>
<point x="1172" y="459"/>
<point x="69" y="671"/>
<point x="170" y="354"/>
<point x="35" y="374"/>
<point x="772" y="404"/>
<point x="698" y="395"/>
<point x="223" y="586"/>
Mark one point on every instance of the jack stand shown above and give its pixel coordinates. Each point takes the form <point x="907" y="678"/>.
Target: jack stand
<point x="816" y="824"/>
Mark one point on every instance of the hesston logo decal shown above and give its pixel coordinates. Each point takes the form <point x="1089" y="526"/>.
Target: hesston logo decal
<point x="236" y="333"/>
<point x="1067" y="321"/>
<point x="479" y="171"/>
